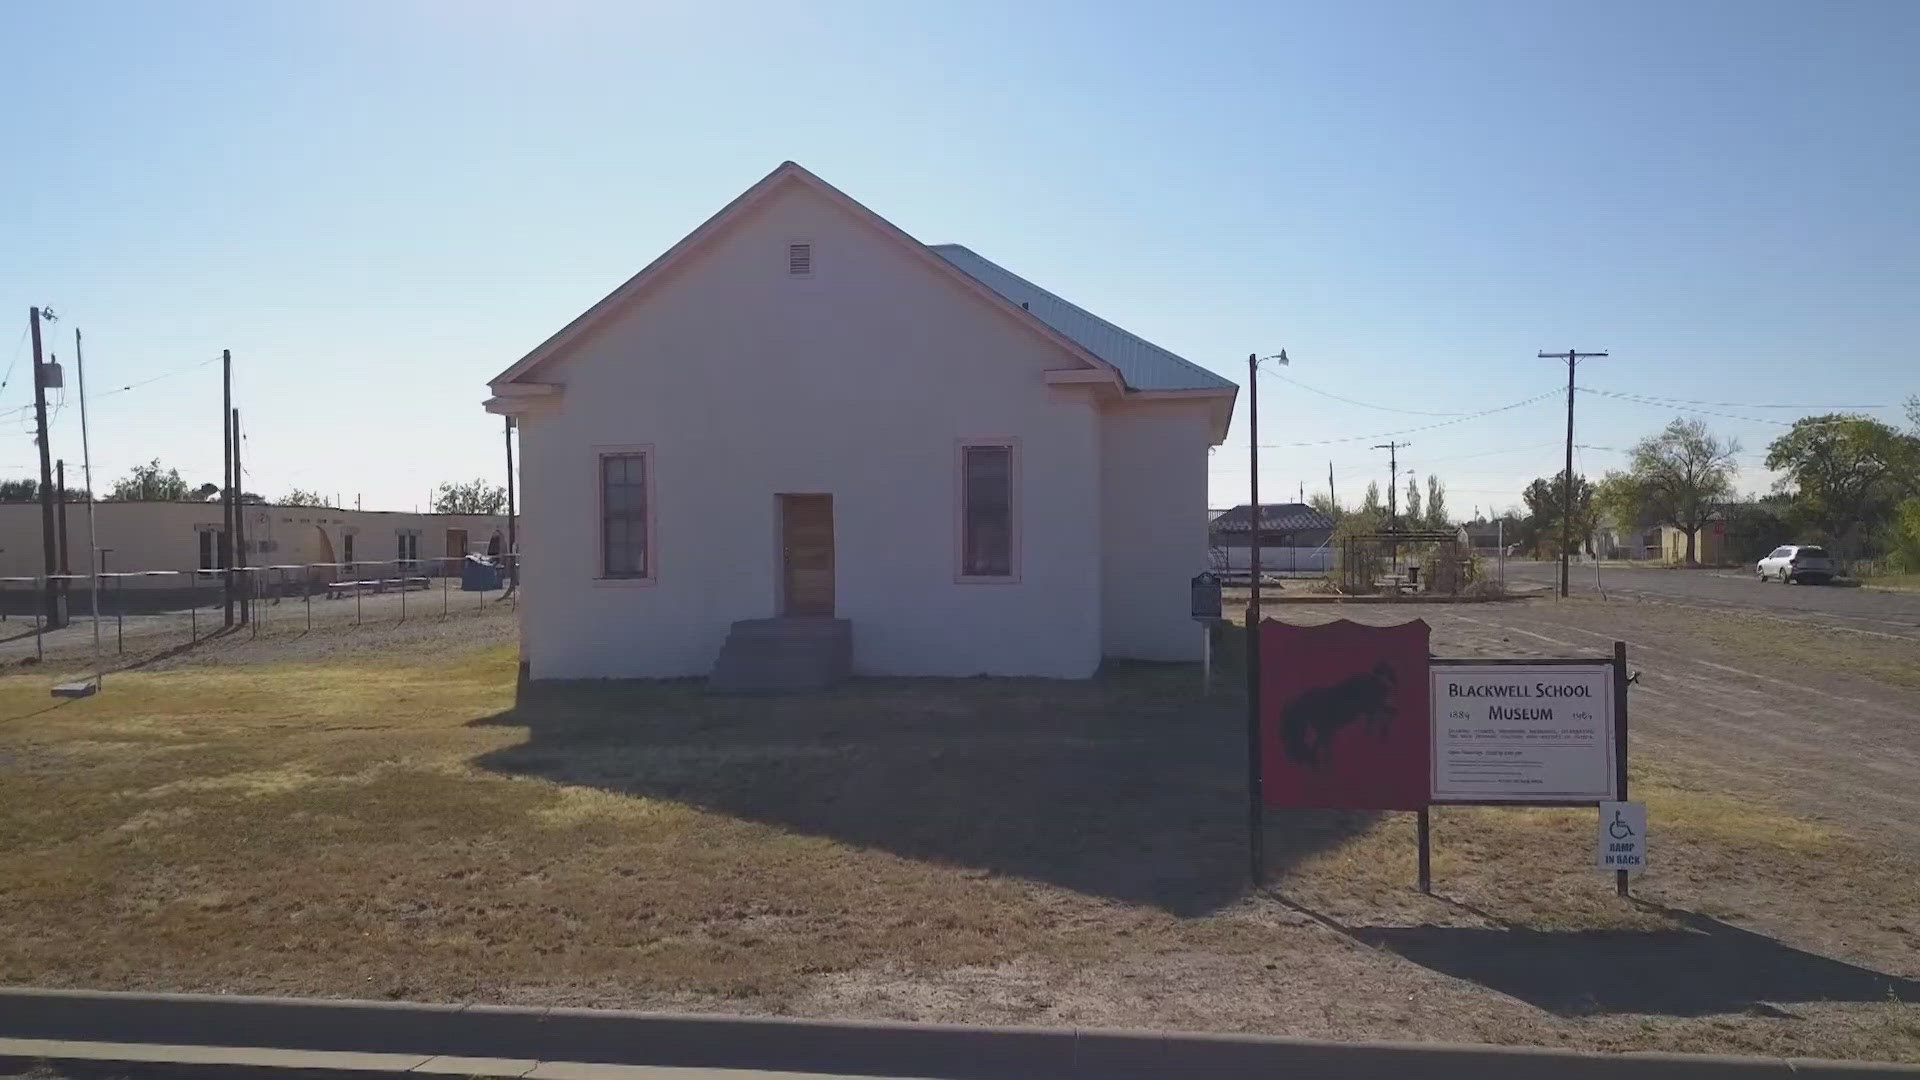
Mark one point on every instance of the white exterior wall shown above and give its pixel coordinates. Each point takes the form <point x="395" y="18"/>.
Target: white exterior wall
<point x="859" y="382"/>
<point x="1153" y="492"/>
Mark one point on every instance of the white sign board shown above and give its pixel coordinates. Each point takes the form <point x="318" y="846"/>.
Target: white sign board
<point x="1621" y="842"/>
<point x="1523" y="733"/>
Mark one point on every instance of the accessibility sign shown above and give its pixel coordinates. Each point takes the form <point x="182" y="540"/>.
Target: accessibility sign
<point x="1621" y="842"/>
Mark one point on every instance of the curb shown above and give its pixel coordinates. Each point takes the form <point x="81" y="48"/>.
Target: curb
<point x="949" y="1052"/>
<point x="1411" y="599"/>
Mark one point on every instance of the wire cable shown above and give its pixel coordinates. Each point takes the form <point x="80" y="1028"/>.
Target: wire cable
<point x="1424" y="427"/>
<point x="1739" y="404"/>
<point x="1351" y="401"/>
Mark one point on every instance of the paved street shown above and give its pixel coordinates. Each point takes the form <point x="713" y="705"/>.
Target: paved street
<point x="1865" y="611"/>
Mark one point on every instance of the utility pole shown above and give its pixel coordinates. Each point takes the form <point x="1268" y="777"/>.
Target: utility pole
<point x="513" y="548"/>
<point x="1333" y="500"/>
<point x="225" y="547"/>
<point x="240" y="528"/>
<point x="54" y="608"/>
<point x="1573" y="358"/>
<point x="1393" y="505"/>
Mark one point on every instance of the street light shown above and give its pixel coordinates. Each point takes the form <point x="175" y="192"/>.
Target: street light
<point x="1256" y="826"/>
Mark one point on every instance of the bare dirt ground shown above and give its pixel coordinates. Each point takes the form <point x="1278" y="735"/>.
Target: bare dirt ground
<point x="393" y="816"/>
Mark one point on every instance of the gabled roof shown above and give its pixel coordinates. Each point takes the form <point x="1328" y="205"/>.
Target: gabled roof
<point x="787" y="172"/>
<point x="1274" y="517"/>
<point x="1144" y="365"/>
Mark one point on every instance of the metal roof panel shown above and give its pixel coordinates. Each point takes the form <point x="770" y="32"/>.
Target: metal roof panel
<point x="1144" y="365"/>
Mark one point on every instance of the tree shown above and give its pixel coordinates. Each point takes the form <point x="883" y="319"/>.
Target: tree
<point x="1326" y="505"/>
<point x="1413" y="516"/>
<point x="1436" y="503"/>
<point x="1846" y="472"/>
<point x="1756" y="526"/>
<point x="303" y="497"/>
<point x="1370" y="503"/>
<point x="1903" y="537"/>
<point x="149" y="483"/>
<point x="1683" y="474"/>
<point x="476" y="497"/>
<point x="208" y="492"/>
<point x="1545" y="501"/>
<point x="1620" y="502"/>
<point x="26" y="491"/>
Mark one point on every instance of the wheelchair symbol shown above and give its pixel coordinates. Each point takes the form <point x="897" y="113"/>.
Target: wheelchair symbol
<point x="1619" y="829"/>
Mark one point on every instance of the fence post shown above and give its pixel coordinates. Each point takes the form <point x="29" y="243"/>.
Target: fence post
<point x="306" y="593"/>
<point x="445" y="576"/>
<point x="402" y="575"/>
<point x="39" y="648"/>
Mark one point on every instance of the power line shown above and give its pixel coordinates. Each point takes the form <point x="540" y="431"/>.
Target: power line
<point x="17" y="346"/>
<point x="127" y="387"/>
<point x="1352" y="401"/>
<point x="1411" y="430"/>
<point x="1742" y="404"/>
<point x="1639" y="400"/>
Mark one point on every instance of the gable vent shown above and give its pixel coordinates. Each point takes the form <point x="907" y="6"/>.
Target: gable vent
<point x="799" y="260"/>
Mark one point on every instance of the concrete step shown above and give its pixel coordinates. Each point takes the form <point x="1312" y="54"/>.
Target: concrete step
<point x="772" y="656"/>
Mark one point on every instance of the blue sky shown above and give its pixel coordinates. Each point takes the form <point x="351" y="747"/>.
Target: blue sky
<point x="379" y="206"/>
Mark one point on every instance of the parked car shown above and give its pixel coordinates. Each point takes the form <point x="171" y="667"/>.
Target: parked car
<point x="1792" y="563"/>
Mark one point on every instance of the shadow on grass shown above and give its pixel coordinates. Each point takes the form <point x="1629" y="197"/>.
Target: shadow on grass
<point x="1700" y="967"/>
<point x="1130" y="786"/>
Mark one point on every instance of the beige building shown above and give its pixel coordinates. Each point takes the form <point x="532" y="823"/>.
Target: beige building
<point x="1709" y="544"/>
<point x="186" y="536"/>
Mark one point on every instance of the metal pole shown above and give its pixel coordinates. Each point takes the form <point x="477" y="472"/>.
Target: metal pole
<point x="1256" y="811"/>
<point x="402" y="575"/>
<point x="1620" y="741"/>
<point x="240" y="529"/>
<point x="1424" y="828"/>
<point x="444" y="579"/>
<point x="306" y="593"/>
<point x="226" y="478"/>
<point x="39" y="648"/>
<point x="98" y="558"/>
<point x="1206" y="658"/>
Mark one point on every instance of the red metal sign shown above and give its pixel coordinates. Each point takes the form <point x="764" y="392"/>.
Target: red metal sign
<point x="1344" y="715"/>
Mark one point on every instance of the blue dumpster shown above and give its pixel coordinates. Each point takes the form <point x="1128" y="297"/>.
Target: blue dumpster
<point x="479" y="574"/>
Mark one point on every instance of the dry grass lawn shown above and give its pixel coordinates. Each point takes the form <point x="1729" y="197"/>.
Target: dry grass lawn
<point x="1006" y="851"/>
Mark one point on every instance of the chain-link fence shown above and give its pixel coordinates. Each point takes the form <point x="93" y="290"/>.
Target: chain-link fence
<point x="147" y="610"/>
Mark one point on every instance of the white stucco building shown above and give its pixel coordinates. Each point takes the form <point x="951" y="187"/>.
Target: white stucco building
<point x="799" y="410"/>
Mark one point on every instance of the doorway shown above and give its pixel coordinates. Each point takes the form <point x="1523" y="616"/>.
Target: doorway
<point x="806" y="555"/>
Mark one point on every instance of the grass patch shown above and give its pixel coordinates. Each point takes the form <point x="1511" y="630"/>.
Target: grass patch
<point x="975" y="850"/>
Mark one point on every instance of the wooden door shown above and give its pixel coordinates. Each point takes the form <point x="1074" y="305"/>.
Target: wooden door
<point x="806" y="554"/>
